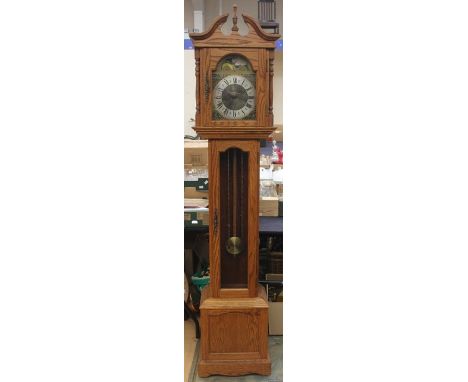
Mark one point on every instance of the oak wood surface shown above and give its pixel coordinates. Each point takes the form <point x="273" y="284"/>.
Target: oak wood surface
<point x="234" y="335"/>
<point x="234" y="320"/>
<point x="234" y="367"/>
<point x="209" y="301"/>
<point x="197" y="87"/>
<point x="216" y="147"/>
<point x="271" y="59"/>
<point x="214" y="37"/>
<point x="217" y="133"/>
<point x="259" y="61"/>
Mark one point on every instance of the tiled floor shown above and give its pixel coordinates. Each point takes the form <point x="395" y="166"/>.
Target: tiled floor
<point x="190" y="343"/>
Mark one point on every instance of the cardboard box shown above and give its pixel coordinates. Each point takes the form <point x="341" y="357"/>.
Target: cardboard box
<point x="277" y="135"/>
<point x="275" y="318"/>
<point x="275" y="311"/>
<point x="193" y="193"/>
<point x="196" y="153"/>
<point x="194" y="219"/>
<point x="274" y="277"/>
<point x="268" y="206"/>
<point x="195" y="203"/>
<point x="195" y="187"/>
<point x="275" y="262"/>
<point x="200" y="184"/>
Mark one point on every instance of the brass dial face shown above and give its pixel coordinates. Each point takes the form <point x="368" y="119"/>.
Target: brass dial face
<point x="234" y="97"/>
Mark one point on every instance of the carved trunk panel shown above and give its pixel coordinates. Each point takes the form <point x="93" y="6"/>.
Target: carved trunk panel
<point x="244" y="324"/>
<point x="234" y="332"/>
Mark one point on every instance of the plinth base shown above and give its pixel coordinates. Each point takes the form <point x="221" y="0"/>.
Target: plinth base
<point x="234" y="335"/>
<point x="234" y="368"/>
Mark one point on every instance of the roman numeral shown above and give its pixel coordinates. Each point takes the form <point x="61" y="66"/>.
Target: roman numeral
<point x="226" y="81"/>
<point x="235" y="80"/>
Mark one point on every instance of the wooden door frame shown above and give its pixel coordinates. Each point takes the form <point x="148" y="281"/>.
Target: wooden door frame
<point x="215" y="147"/>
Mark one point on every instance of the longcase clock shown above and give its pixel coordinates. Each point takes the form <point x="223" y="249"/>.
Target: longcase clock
<point x="234" y="111"/>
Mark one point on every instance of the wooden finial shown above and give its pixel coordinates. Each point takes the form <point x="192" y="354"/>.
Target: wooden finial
<point x="234" y="18"/>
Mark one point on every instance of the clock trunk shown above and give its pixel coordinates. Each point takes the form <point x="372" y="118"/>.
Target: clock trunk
<point x="233" y="217"/>
<point x="234" y="208"/>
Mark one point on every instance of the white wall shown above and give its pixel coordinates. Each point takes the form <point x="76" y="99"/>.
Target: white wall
<point x="278" y="89"/>
<point x="188" y="15"/>
<point x="212" y="10"/>
<point x="189" y="90"/>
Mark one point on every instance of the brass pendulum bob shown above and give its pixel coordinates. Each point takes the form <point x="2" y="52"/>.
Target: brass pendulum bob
<point x="234" y="245"/>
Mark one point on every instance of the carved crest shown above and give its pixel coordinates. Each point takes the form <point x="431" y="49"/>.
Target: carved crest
<point x="214" y="37"/>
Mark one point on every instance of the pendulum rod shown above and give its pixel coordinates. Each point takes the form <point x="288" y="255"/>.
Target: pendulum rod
<point x="228" y="184"/>
<point x="234" y="241"/>
<point x="243" y="196"/>
<point x="234" y="193"/>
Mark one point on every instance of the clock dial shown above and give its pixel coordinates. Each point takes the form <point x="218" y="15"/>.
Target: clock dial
<point x="233" y="95"/>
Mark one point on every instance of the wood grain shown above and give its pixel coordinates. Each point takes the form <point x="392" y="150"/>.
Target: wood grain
<point x="259" y="64"/>
<point x="216" y="148"/>
<point x="234" y="292"/>
<point x="233" y="216"/>
<point x="217" y="133"/>
<point x="242" y="321"/>
<point x="253" y="196"/>
<point x="214" y="232"/>
<point x="197" y="88"/>
<point x="234" y="335"/>
<point x="234" y="367"/>
<point x="271" y="59"/>
<point x="214" y="37"/>
<point x="234" y="320"/>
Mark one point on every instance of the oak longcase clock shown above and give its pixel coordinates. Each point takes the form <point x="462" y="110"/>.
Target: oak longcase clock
<point x="234" y="111"/>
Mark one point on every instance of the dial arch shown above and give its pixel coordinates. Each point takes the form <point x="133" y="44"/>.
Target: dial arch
<point x="234" y="89"/>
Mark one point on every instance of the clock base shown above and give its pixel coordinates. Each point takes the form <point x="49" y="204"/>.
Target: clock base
<point x="234" y="368"/>
<point x="234" y="335"/>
